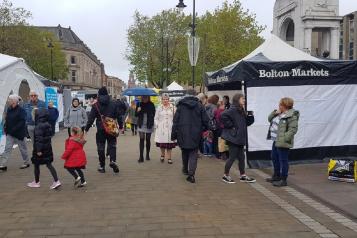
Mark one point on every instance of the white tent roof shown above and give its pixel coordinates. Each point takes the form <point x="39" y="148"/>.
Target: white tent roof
<point x="7" y="60"/>
<point x="174" y="86"/>
<point x="275" y="49"/>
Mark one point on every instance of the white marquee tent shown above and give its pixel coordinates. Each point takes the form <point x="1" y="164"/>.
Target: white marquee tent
<point x="13" y="71"/>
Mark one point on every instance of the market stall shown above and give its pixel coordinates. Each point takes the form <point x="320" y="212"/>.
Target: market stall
<point x="325" y="93"/>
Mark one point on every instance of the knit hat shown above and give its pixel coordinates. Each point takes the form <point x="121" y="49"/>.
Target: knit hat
<point x="103" y="91"/>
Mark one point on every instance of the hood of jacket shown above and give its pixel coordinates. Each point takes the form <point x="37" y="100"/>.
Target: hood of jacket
<point x="76" y="108"/>
<point x="104" y="99"/>
<point x="79" y="140"/>
<point x="41" y="115"/>
<point x="291" y="113"/>
<point x="189" y="101"/>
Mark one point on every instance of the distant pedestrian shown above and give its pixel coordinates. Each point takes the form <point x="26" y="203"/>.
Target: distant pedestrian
<point x="104" y="107"/>
<point x="235" y="121"/>
<point x="283" y="127"/>
<point x="30" y="107"/>
<point x="42" y="149"/>
<point x="208" y="143"/>
<point x="126" y="104"/>
<point x="145" y="111"/>
<point x="190" y="121"/>
<point x="163" y="125"/>
<point x="75" y="156"/>
<point x="54" y="114"/>
<point x="211" y="107"/>
<point x="132" y="119"/>
<point x="226" y="102"/>
<point x="76" y="116"/>
<point x="217" y="115"/>
<point x="15" y="131"/>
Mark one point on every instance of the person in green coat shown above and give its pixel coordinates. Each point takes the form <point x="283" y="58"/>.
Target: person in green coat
<point x="283" y="127"/>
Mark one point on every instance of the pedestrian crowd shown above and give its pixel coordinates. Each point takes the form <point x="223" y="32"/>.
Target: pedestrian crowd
<point x="199" y="125"/>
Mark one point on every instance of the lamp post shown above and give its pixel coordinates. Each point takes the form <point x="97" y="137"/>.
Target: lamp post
<point x="50" y="45"/>
<point x="181" y="5"/>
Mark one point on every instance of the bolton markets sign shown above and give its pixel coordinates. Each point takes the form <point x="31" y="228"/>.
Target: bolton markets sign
<point x="293" y="73"/>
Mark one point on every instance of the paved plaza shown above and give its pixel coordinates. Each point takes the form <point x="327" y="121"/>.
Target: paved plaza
<point x="154" y="200"/>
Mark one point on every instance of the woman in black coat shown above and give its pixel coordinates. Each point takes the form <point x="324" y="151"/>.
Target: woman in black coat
<point x="42" y="149"/>
<point x="145" y="111"/>
<point x="235" y="121"/>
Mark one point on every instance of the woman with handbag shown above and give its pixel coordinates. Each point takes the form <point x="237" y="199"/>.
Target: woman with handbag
<point x="163" y="124"/>
<point x="145" y="112"/>
<point x="102" y="111"/>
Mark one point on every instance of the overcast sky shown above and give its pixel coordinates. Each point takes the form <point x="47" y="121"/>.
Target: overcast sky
<point x="103" y="24"/>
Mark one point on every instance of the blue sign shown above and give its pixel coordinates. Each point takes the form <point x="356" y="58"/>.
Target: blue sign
<point x="51" y="95"/>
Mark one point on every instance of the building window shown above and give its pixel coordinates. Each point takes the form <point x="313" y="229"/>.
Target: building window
<point x="74" y="75"/>
<point x="73" y="59"/>
<point x="351" y="38"/>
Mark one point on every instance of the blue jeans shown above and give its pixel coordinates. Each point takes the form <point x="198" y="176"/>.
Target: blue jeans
<point x="280" y="158"/>
<point x="207" y="148"/>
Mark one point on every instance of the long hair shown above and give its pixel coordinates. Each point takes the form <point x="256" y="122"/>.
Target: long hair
<point x="236" y="99"/>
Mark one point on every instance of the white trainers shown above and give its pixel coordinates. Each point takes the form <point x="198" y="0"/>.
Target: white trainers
<point x="82" y="184"/>
<point x="77" y="181"/>
<point x="55" y="185"/>
<point x="34" y="184"/>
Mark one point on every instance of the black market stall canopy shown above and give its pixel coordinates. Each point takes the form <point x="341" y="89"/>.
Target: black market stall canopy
<point x="325" y="93"/>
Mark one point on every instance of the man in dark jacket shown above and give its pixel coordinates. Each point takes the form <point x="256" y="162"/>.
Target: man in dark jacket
<point x="107" y="108"/>
<point x="190" y="121"/>
<point x="15" y="130"/>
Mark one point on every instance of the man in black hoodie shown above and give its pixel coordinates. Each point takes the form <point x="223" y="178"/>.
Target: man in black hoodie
<point x="190" y="121"/>
<point x="107" y="108"/>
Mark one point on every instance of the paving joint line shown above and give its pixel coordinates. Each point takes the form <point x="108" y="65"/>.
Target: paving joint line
<point x="337" y="217"/>
<point x="308" y="221"/>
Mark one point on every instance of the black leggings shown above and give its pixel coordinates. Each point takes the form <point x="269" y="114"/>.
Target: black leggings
<point x="50" y="168"/>
<point x="75" y="172"/>
<point x="143" y="137"/>
<point x="134" y="128"/>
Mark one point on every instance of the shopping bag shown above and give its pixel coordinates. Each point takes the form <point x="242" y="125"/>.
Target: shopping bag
<point x="342" y="170"/>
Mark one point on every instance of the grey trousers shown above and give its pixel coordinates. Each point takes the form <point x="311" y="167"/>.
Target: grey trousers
<point x="10" y="142"/>
<point x="31" y="131"/>
<point x="189" y="160"/>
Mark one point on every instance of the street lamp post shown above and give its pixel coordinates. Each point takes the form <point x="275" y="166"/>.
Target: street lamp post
<point x="50" y="45"/>
<point x="181" y="5"/>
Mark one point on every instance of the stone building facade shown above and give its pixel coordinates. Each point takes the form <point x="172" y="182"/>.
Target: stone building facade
<point x="348" y="37"/>
<point x="85" y="71"/>
<point x="309" y="25"/>
<point x="115" y="86"/>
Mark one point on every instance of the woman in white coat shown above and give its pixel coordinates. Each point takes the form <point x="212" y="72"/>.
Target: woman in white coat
<point x="163" y="124"/>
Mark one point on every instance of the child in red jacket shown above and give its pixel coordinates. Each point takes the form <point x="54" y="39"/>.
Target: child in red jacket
<point x="75" y="156"/>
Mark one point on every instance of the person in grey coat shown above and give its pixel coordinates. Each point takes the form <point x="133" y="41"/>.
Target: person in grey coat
<point x="235" y="121"/>
<point x="76" y="116"/>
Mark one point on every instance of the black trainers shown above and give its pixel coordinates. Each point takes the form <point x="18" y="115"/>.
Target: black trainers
<point x="114" y="166"/>
<point x="147" y="158"/>
<point x="281" y="183"/>
<point x="191" y="179"/>
<point x="141" y="161"/>
<point x="101" y="170"/>
<point x="228" y="179"/>
<point x="3" y="168"/>
<point x="246" y="179"/>
<point x="273" y="179"/>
